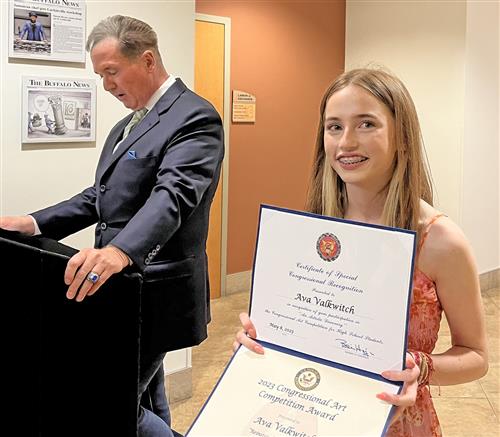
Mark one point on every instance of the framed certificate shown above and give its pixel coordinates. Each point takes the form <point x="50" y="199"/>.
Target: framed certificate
<point x="330" y="301"/>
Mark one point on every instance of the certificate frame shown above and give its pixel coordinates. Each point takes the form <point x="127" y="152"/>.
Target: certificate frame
<point x="271" y="416"/>
<point x="367" y="248"/>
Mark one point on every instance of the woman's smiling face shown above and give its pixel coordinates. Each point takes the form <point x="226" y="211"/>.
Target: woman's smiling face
<point x="358" y="138"/>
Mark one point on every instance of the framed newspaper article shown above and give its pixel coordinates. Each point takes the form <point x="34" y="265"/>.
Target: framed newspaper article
<point x="58" y="110"/>
<point x="53" y="31"/>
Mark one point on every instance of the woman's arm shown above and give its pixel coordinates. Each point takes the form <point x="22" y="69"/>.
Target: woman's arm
<point x="447" y="258"/>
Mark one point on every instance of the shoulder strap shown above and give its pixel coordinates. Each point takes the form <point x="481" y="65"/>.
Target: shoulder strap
<point x="426" y="230"/>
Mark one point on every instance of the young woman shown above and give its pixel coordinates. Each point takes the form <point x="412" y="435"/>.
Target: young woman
<point x="370" y="167"/>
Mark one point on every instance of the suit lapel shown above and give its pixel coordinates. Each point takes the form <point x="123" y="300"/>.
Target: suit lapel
<point x="151" y="119"/>
<point x="107" y="150"/>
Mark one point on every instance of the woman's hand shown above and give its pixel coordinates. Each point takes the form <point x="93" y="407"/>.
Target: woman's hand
<point x="408" y="395"/>
<point x="244" y="336"/>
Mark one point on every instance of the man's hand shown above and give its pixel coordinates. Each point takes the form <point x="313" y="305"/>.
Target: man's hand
<point x="23" y="224"/>
<point x="99" y="263"/>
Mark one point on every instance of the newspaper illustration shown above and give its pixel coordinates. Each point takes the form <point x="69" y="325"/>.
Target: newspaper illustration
<point x="58" y="110"/>
<point x="51" y="30"/>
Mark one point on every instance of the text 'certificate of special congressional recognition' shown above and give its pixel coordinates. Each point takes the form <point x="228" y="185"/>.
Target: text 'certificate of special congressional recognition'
<point x="330" y="304"/>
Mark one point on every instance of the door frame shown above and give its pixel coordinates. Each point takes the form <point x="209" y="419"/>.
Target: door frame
<point x="226" y="21"/>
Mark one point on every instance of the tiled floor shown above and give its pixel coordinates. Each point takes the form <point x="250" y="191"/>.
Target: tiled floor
<point x="468" y="410"/>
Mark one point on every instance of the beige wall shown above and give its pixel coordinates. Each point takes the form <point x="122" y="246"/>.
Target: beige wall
<point x="481" y="162"/>
<point x="36" y="176"/>
<point x="285" y="53"/>
<point x="445" y="53"/>
<point x="423" y="43"/>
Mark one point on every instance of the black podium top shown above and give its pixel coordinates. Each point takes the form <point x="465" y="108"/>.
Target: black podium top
<point x="72" y="367"/>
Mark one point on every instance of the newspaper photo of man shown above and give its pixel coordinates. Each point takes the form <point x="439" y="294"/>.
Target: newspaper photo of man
<point x="32" y="29"/>
<point x="32" y="34"/>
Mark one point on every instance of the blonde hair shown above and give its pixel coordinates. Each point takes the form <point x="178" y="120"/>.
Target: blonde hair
<point x="410" y="182"/>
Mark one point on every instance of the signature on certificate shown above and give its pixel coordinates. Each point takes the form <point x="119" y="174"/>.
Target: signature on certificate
<point x="355" y="348"/>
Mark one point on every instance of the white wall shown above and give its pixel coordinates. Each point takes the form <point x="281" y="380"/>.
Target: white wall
<point x="34" y="176"/>
<point x="437" y="49"/>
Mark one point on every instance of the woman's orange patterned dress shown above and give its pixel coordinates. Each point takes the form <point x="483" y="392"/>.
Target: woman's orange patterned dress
<point x="421" y="419"/>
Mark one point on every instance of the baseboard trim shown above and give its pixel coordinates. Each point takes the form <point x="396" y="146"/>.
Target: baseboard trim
<point x="238" y="282"/>
<point x="490" y="279"/>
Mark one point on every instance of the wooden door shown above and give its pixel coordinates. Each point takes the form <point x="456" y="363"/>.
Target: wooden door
<point x="209" y="83"/>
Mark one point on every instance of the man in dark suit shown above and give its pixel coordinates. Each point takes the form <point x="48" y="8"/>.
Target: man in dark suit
<point x="154" y="185"/>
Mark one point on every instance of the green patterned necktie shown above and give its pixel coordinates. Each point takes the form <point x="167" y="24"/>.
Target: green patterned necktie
<point x="136" y="118"/>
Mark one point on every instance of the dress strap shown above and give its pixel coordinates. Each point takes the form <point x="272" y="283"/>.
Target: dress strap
<point x="426" y="231"/>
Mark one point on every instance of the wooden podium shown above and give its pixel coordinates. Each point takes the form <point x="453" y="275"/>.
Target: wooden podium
<point x="72" y="368"/>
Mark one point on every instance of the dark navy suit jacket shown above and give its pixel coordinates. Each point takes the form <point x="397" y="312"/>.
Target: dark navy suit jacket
<point x="151" y="198"/>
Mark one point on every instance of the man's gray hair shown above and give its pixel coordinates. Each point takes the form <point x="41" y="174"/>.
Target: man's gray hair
<point x="133" y="35"/>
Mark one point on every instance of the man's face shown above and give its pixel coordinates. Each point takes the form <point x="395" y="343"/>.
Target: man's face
<point x="129" y="80"/>
<point x="33" y="18"/>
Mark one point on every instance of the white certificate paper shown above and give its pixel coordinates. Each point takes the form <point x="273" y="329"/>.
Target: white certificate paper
<point x="278" y="394"/>
<point x="330" y="302"/>
<point x="333" y="289"/>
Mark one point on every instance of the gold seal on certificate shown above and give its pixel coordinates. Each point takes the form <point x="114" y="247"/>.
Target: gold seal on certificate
<point x="328" y="247"/>
<point x="316" y="304"/>
<point x="307" y="379"/>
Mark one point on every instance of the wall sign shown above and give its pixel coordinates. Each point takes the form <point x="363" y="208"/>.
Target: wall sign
<point x="243" y="107"/>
